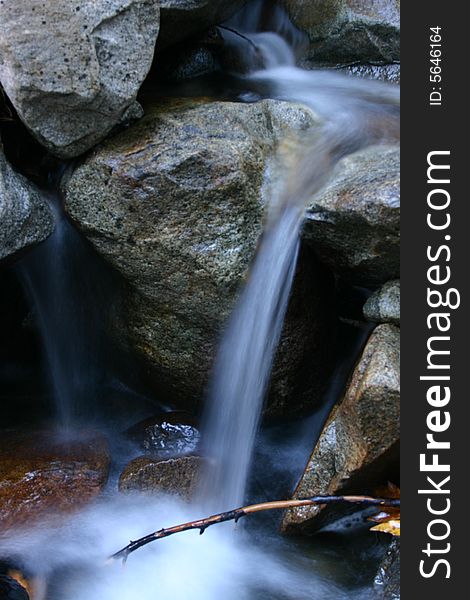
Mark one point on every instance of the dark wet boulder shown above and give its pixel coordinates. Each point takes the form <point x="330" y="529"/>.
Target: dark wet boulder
<point x="342" y="31"/>
<point x="44" y="476"/>
<point x="387" y="580"/>
<point x="172" y="434"/>
<point x="181" y="19"/>
<point x="10" y="589"/>
<point x="389" y="73"/>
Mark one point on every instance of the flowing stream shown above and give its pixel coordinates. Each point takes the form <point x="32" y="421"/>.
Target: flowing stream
<point x="355" y="113"/>
<point x="244" y="363"/>
<point x="54" y="282"/>
<point x="72" y="295"/>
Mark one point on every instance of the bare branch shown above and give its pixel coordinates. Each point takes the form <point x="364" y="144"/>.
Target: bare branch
<point x="238" y="513"/>
<point x="244" y="37"/>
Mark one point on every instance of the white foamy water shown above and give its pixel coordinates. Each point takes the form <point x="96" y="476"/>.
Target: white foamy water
<point x="186" y="565"/>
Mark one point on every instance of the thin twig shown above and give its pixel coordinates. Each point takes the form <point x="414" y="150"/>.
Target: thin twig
<point x="244" y="37"/>
<point x="238" y="513"/>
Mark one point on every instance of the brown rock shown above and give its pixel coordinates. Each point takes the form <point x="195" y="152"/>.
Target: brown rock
<point x="41" y="476"/>
<point x="361" y="436"/>
<point x="178" y="476"/>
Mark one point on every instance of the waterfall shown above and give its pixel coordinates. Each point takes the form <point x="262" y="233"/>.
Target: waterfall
<point x="71" y="294"/>
<point x="69" y="289"/>
<point x="356" y="113"/>
<point x="245" y="359"/>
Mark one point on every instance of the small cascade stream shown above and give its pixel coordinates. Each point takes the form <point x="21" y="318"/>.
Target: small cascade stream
<point x="245" y="565"/>
<point x="244" y="364"/>
<point x="53" y="279"/>
<point x="73" y="296"/>
<point x="355" y="116"/>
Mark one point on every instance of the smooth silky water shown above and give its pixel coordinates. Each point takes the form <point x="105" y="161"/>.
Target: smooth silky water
<point x="227" y="562"/>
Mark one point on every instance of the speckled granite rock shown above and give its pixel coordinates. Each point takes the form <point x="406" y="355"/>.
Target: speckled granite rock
<point x="178" y="475"/>
<point x="384" y="304"/>
<point x="176" y="204"/>
<point x="25" y="218"/>
<point x="71" y="69"/>
<point x="361" y="430"/>
<point x="354" y="224"/>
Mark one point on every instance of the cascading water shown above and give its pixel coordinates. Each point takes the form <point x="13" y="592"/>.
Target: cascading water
<point x="71" y="292"/>
<point x="53" y="283"/>
<point x="244" y="363"/>
<point x="355" y="113"/>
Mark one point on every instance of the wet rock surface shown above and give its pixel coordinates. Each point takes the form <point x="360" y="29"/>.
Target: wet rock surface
<point x="384" y="304"/>
<point x="360" y="438"/>
<point x="42" y="477"/>
<point x="342" y="31"/>
<point x="354" y="224"/>
<point x="72" y="69"/>
<point x="10" y="589"/>
<point x="177" y="203"/>
<point x="388" y="73"/>
<point x="387" y="581"/>
<point x="177" y="476"/>
<point x="25" y="218"/>
<point x="168" y="435"/>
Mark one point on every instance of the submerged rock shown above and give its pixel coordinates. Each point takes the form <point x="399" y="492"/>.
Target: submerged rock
<point x="387" y="581"/>
<point x="354" y="224"/>
<point x="177" y="203"/>
<point x="384" y="304"/>
<point x="361" y="436"/>
<point x="178" y="475"/>
<point x="342" y="31"/>
<point x="389" y="73"/>
<point x="25" y="218"/>
<point x="42" y="476"/>
<point x="171" y="434"/>
<point x="70" y="69"/>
